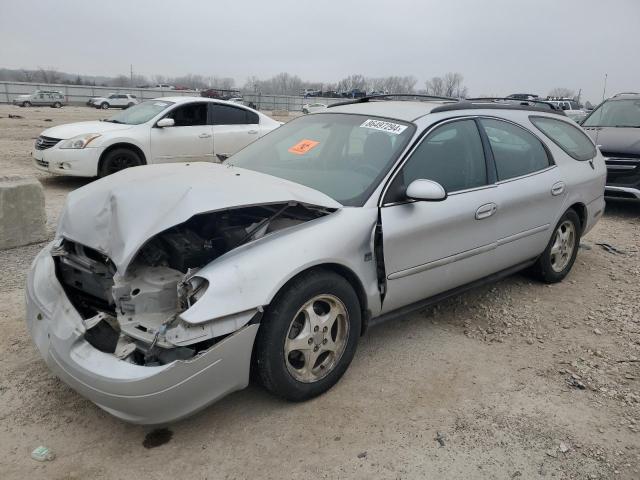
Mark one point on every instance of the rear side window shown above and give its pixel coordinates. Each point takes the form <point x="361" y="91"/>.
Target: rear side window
<point x="569" y="138"/>
<point x="228" y="115"/>
<point x="516" y="152"/>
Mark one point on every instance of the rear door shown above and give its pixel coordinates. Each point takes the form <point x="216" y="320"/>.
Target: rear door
<point x="431" y="247"/>
<point x="233" y="129"/>
<point x="530" y="191"/>
<point x="189" y="140"/>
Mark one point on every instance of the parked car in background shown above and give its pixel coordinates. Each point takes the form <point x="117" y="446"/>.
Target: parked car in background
<point x="236" y="100"/>
<point x="313" y="107"/>
<point x="39" y="98"/>
<point x="164" y="86"/>
<point x="523" y="96"/>
<point x="165" y="283"/>
<point x="572" y="109"/>
<point x="614" y="126"/>
<point x="168" y="129"/>
<point x="115" y="100"/>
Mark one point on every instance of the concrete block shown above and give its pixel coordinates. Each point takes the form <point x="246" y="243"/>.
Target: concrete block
<point x="23" y="219"/>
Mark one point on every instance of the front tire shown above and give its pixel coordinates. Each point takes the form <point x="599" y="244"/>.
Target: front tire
<point x="104" y="105"/>
<point x="558" y="258"/>
<point x="26" y="104"/>
<point x="118" y="159"/>
<point x="57" y="105"/>
<point x="308" y="336"/>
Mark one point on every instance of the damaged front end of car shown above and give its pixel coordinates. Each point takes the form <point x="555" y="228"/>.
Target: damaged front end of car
<point x="137" y="316"/>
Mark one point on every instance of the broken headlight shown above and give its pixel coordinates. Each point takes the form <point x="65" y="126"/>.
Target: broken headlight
<point x="191" y="290"/>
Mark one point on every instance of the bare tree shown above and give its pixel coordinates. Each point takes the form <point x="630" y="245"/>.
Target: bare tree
<point x="49" y="75"/>
<point x="450" y="85"/>
<point x="435" y="86"/>
<point x="27" y="75"/>
<point x="352" y="82"/>
<point x="562" y="92"/>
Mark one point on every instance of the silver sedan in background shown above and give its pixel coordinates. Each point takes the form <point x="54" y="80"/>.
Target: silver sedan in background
<point x="166" y="284"/>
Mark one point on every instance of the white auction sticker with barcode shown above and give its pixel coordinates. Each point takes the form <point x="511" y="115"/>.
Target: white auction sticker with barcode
<point x="383" y="126"/>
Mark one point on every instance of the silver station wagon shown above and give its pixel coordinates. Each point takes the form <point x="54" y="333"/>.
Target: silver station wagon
<point x="167" y="284"/>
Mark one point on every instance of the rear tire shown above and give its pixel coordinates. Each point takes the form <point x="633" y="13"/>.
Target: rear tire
<point x="308" y="336"/>
<point x="129" y="105"/>
<point x="57" y="105"/>
<point x="117" y="160"/>
<point x="558" y="258"/>
<point x="26" y="104"/>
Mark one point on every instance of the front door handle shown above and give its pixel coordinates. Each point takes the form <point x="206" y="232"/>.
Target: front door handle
<point x="252" y="132"/>
<point x="204" y="135"/>
<point x="557" y="189"/>
<point x="486" y="210"/>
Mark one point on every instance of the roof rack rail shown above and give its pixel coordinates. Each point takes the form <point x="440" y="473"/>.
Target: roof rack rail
<point x="388" y="95"/>
<point x="520" y="101"/>
<point x="495" y="103"/>
<point x="625" y="93"/>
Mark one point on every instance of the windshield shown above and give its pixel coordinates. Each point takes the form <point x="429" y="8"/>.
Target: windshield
<point x="615" y="113"/>
<point x="141" y="113"/>
<point x="343" y="156"/>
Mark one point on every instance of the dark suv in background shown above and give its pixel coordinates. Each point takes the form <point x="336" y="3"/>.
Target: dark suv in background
<point x="615" y="127"/>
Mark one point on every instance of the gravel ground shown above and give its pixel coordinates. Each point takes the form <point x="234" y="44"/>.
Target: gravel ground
<point x="515" y="380"/>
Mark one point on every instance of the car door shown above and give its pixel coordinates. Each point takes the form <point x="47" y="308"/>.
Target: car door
<point x="233" y="129"/>
<point x="189" y="140"/>
<point x="431" y="247"/>
<point x="530" y="191"/>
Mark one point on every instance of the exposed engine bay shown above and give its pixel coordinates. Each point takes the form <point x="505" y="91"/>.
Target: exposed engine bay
<point x="136" y="316"/>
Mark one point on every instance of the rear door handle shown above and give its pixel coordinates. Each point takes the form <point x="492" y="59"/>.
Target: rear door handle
<point x="486" y="210"/>
<point x="204" y="135"/>
<point x="557" y="189"/>
<point x="252" y="132"/>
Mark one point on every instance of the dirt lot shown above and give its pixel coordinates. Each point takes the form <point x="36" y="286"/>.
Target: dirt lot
<point x="516" y="380"/>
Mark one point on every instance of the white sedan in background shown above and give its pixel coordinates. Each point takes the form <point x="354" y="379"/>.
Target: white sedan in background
<point x="115" y="100"/>
<point x="170" y="129"/>
<point x="313" y="107"/>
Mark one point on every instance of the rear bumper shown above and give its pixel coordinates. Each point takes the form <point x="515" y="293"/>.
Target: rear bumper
<point x="134" y="393"/>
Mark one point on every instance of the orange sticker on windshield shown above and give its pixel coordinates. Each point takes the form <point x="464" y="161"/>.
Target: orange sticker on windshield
<point x="303" y="146"/>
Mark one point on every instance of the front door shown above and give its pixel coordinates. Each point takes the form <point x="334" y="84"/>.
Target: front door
<point x="432" y="247"/>
<point x="189" y="140"/>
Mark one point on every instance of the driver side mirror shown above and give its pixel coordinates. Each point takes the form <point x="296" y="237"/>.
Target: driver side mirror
<point x="427" y="190"/>
<point x="165" y="122"/>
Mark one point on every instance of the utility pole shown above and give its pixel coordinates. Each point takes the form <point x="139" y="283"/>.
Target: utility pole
<point x="605" y="86"/>
<point x="131" y="68"/>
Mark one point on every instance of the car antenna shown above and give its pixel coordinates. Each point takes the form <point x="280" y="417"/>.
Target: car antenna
<point x="604" y="90"/>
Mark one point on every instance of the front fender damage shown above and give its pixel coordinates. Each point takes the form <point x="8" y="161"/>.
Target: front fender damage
<point x="141" y="315"/>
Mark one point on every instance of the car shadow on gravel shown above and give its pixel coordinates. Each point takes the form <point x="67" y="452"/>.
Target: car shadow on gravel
<point x="623" y="209"/>
<point x="63" y="182"/>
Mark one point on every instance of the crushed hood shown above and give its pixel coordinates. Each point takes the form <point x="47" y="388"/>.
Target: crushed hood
<point x="118" y="214"/>
<point x="71" y="130"/>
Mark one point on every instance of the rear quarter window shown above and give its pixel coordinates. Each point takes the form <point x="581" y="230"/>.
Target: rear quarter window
<point x="569" y="138"/>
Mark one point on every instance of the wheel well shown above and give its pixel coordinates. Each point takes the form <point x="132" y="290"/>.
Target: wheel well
<point x="350" y="277"/>
<point x="581" y="210"/>
<point x="130" y="146"/>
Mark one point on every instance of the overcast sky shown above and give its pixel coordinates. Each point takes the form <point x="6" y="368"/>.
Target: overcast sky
<point x="500" y="46"/>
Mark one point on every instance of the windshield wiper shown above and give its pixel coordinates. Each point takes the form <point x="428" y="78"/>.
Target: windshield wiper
<point x="111" y="120"/>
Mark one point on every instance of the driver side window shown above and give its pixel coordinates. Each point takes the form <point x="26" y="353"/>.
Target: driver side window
<point x="451" y="155"/>
<point x="189" y="115"/>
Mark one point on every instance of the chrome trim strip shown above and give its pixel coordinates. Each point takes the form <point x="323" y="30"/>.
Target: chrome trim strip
<point x="621" y="167"/>
<point x="632" y="191"/>
<point x="443" y="261"/>
<point x="537" y="172"/>
<point x="521" y="235"/>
